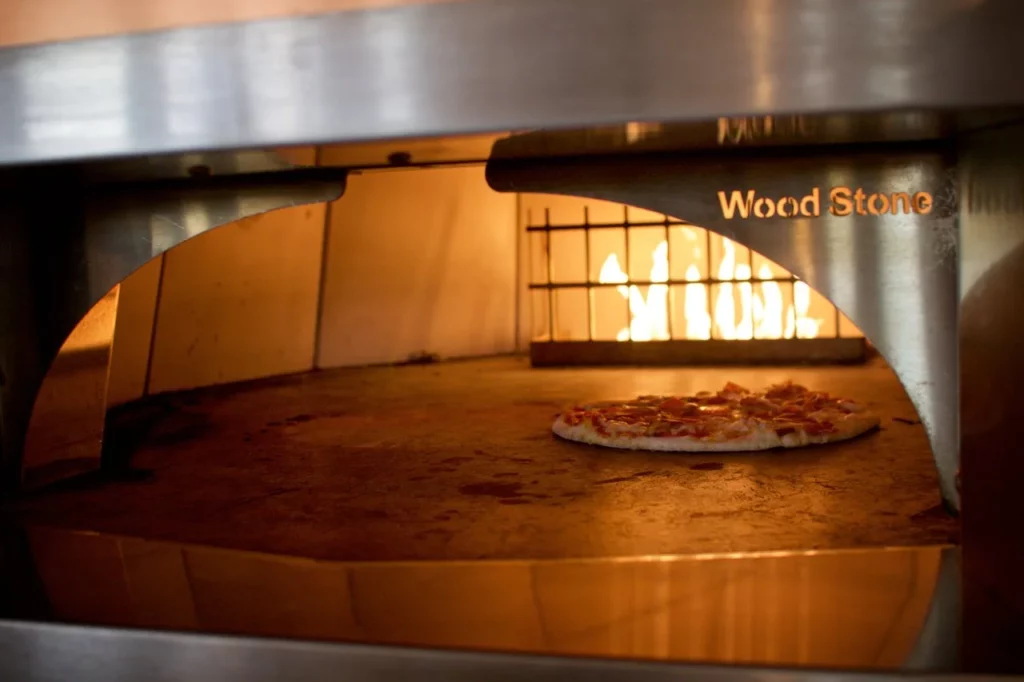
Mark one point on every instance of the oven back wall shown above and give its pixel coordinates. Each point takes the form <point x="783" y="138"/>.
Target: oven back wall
<point x="407" y="262"/>
<point x="419" y="261"/>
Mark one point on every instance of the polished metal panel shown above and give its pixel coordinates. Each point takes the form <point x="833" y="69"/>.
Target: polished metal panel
<point x="494" y="65"/>
<point x="794" y="131"/>
<point x="65" y="243"/>
<point x="938" y="645"/>
<point x="893" y="275"/>
<point x="766" y="609"/>
<point x="791" y="130"/>
<point x="195" y="165"/>
<point x="991" y="410"/>
<point x="46" y="653"/>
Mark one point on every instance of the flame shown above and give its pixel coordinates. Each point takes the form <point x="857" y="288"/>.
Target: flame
<point x="768" y="307"/>
<point x="725" y="303"/>
<point x="742" y="309"/>
<point x="806" y="328"/>
<point x="698" y="322"/>
<point x="649" y="316"/>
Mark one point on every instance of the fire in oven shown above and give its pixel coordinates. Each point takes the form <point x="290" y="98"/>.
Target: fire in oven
<point x="621" y="274"/>
<point x="500" y="400"/>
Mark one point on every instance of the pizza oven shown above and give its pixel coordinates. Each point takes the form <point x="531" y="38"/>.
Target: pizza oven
<point x="296" y="385"/>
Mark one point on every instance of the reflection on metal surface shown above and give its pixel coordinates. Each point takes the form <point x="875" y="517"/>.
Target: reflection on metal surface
<point x="648" y="137"/>
<point x="776" y="608"/>
<point x="463" y="67"/>
<point x="899" y="282"/>
<point x="410" y="152"/>
<point x="794" y="131"/>
<point x="56" y="263"/>
<point x="938" y="644"/>
<point x="198" y="165"/>
<point x="991" y="376"/>
<point x="52" y="653"/>
<point x="748" y="129"/>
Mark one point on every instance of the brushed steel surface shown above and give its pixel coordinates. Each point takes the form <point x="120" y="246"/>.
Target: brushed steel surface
<point x="192" y="165"/>
<point x="763" y="609"/>
<point x="493" y="65"/>
<point x="724" y="132"/>
<point x="46" y="653"/>
<point x="991" y="411"/>
<point x="938" y="644"/>
<point x="26" y="22"/>
<point x="894" y="276"/>
<point x="59" y="256"/>
<point x="792" y="130"/>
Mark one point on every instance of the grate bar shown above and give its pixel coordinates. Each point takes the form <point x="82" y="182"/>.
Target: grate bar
<point x="551" y="291"/>
<point x="647" y="282"/>
<point x="626" y="225"/>
<point x="668" y="267"/>
<point x="590" y="294"/>
<point x="711" y="305"/>
<point x="628" y="269"/>
<point x="607" y="226"/>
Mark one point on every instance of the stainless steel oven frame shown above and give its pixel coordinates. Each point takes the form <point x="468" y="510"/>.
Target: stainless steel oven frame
<point x="109" y="147"/>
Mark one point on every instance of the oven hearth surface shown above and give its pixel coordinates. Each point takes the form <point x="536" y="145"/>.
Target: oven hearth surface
<point x="455" y="460"/>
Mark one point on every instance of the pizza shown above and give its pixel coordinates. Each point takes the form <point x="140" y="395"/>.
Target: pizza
<point x="732" y="420"/>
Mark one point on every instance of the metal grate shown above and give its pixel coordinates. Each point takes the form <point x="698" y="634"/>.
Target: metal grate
<point x="586" y="227"/>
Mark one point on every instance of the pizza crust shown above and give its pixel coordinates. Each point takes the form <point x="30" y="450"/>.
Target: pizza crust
<point x="584" y="433"/>
<point x="759" y="438"/>
<point x="851" y="426"/>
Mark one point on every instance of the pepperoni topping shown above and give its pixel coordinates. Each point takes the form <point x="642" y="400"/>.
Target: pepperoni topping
<point x="733" y="412"/>
<point x="679" y="406"/>
<point x="786" y="391"/>
<point x="816" y="428"/>
<point x="732" y="391"/>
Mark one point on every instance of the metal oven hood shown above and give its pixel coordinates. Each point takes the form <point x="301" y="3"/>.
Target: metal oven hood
<point x="494" y="65"/>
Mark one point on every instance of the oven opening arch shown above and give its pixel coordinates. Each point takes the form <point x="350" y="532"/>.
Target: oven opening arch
<point x="893" y="275"/>
<point x="613" y="478"/>
<point x="111" y="221"/>
<point x="605" y="481"/>
<point x="230" y="303"/>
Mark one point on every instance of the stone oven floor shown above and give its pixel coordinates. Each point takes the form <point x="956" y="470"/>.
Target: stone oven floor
<point x="456" y="460"/>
